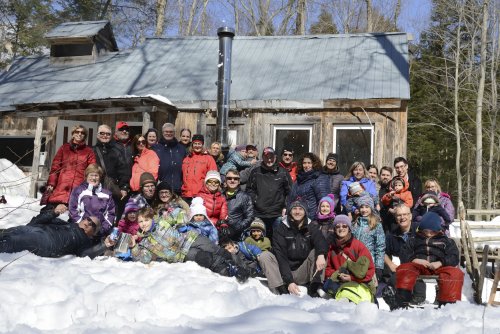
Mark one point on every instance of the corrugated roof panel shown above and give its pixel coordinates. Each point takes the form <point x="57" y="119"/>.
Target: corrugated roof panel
<point x="77" y="29"/>
<point x="294" y="68"/>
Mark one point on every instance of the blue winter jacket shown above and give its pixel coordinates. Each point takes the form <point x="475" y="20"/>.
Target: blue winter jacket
<point x="171" y="155"/>
<point x="310" y="187"/>
<point x="368" y="184"/>
<point x="374" y="239"/>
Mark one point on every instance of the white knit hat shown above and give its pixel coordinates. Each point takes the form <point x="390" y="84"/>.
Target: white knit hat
<point x="197" y="208"/>
<point x="211" y="175"/>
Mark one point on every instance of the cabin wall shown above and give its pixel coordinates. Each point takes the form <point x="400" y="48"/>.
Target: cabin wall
<point x="389" y="128"/>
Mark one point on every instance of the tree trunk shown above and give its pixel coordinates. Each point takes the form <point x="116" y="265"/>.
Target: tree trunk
<point x="369" y="16"/>
<point x="300" y="23"/>
<point x="494" y="108"/>
<point x="397" y="11"/>
<point x="479" y="110"/>
<point x="160" y="17"/>
<point x="192" y="13"/>
<point x="456" y="110"/>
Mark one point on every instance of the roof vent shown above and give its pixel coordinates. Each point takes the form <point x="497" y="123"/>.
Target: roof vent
<point x="75" y="43"/>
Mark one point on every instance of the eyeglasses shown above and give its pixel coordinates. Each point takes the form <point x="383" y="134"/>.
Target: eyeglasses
<point x="141" y="142"/>
<point x="232" y="178"/>
<point x="165" y="193"/>
<point x="79" y="132"/>
<point x="124" y="129"/>
<point x="288" y="154"/>
<point x="339" y="226"/>
<point x="213" y="182"/>
<point x="105" y="134"/>
<point x="91" y="223"/>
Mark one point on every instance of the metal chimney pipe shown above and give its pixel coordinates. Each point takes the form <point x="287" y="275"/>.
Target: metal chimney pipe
<point x="226" y="35"/>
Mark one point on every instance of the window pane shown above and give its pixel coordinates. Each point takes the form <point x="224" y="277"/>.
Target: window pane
<point x="298" y="140"/>
<point x="353" y="145"/>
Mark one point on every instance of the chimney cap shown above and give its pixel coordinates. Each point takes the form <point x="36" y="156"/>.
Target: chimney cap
<point x="225" y="32"/>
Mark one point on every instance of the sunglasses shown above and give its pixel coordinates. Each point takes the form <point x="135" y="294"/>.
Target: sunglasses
<point x="141" y="142"/>
<point x="288" y="154"/>
<point x="124" y="129"/>
<point x="79" y="132"/>
<point x="213" y="182"/>
<point x="232" y="178"/>
<point x="165" y="193"/>
<point x="94" y="226"/>
<point x="105" y="134"/>
<point x="339" y="226"/>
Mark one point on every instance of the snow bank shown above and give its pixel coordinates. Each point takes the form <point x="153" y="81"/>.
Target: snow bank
<point x="13" y="181"/>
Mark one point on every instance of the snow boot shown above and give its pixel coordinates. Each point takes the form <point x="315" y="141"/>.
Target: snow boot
<point x="389" y="296"/>
<point x="403" y="298"/>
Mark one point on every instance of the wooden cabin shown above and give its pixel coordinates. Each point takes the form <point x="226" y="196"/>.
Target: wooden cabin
<point x="324" y="93"/>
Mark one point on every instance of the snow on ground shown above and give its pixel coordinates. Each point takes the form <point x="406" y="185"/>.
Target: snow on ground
<point x="105" y="295"/>
<point x="79" y="295"/>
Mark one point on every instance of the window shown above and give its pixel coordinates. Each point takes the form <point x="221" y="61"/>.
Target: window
<point x="353" y="143"/>
<point x="297" y="137"/>
<point x="71" y="50"/>
<point x="19" y="150"/>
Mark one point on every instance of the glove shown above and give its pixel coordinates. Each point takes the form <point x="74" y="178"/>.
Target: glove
<point x="331" y="287"/>
<point x="379" y="273"/>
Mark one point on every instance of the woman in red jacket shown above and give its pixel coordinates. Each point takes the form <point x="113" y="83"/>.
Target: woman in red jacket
<point x="145" y="160"/>
<point x="68" y="167"/>
<point x="349" y="265"/>
<point x="213" y="199"/>
<point x="195" y="167"/>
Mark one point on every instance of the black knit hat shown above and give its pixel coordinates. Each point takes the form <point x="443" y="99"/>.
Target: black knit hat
<point x="164" y="185"/>
<point x="198" y="137"/>
<point x="332" y="156"/>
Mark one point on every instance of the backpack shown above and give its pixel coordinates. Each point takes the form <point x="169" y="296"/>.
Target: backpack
<point x="355" y="292"/>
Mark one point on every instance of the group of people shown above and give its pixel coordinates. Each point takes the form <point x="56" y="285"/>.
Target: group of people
<point x="297" y="222"/>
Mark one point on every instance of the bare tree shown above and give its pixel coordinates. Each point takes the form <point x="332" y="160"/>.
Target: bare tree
<point x="161" y="5"/>
<point x="479" y="109"/>
<point x="300" y="22"/>
<point x="369" y="16"/>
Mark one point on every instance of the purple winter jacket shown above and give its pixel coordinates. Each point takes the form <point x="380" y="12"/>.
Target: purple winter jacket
<point x="86" y="201"/>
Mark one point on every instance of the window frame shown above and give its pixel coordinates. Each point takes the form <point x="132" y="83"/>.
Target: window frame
<point x="308" y="127"/>
<point x="370" y="127"/>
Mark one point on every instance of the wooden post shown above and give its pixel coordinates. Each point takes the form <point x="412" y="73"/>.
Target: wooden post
<point x="36" y="156"/>
<point x="146" y="120"/>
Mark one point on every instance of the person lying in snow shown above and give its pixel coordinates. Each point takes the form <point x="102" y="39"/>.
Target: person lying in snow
<point x="48" y="236"/>
<point x="166" y="243"/>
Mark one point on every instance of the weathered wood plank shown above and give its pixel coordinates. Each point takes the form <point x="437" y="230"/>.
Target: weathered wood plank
<point x="36" y="156"/>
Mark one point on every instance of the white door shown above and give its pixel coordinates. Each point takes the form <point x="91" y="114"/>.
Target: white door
<point x="63" y="133"/>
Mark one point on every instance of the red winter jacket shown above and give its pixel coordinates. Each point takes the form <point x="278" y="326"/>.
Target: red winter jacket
<point x="215" y="203"/>
<point x="148" y="161"/>
<point x="194" y="169"/>
<point x="354" y="249"/>
<point x="68" y="170"/>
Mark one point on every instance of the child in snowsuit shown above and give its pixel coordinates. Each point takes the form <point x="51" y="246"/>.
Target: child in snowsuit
<point x="325" y="216"/>
<point x="429" y="202"/>
<point x="257" y="235"/>
<point x="168" y="244"/>
<point x="128" y="224"/>
<point x="430" y="252"/>
<point x="398" y="194"/>
<point x="357" y="193"/>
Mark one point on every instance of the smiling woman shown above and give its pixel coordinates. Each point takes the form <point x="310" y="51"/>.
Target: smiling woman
<point x="145" y="160"/>
<point x="90" y="199"/>
<point x="68" y="166"/>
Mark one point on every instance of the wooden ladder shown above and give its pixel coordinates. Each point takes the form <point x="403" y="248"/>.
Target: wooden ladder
<point x="494" y="287"/>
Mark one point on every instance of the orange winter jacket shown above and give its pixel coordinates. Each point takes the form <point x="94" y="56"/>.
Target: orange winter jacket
<point x="148" y="161"/>
<point x="194" y="169"/>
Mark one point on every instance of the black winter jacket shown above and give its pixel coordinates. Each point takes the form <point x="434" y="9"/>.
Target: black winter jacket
<point x="115" y="164"/>
<point x="335" y="183"/>
<point x="292" y="246"/>
<point x="269" y="188"/>
<point x="438" y="248"/>
<point x="171" y="155"/>
<point x="310" y="187"/>
<point x="59" y="237"/>
<point x="240" y="211"/>
<point x="394" y="241"/>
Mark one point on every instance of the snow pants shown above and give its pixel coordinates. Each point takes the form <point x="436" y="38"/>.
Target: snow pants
<point x="270" y="267"/>
<point x="450" y="282"/>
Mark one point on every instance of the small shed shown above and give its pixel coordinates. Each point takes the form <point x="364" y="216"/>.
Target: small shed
<point x="327" y="93"/>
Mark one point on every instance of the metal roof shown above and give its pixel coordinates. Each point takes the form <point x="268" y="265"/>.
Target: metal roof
<point x="294" y="70"/>
<point x="77" y="29"/>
